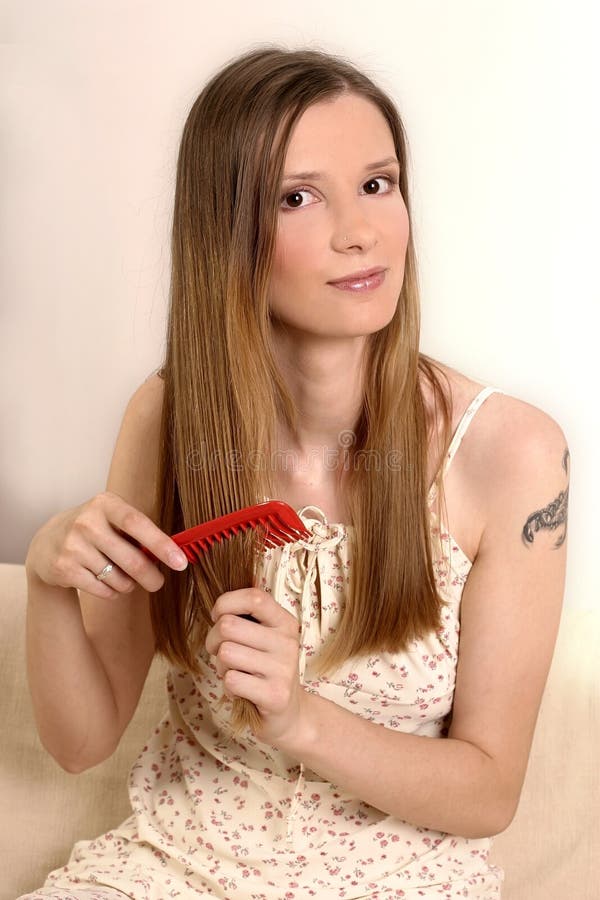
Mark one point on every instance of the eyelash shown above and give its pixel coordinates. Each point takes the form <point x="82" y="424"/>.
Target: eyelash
<point x="297" y="190"/>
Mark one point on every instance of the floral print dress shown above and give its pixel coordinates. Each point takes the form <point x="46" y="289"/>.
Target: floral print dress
<point x="238" y="819"/>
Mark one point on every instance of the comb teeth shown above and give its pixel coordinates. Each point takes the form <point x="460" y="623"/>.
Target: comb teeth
<point x="203" y="544"/>
<point x="279" y="532"/>
<point x="276" y="520"/>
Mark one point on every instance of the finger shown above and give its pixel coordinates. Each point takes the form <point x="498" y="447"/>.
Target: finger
<point x="247" y="659"/>
<point x="240" y="684"/>
<point x="232" y="628"/>
<point x="259" y="604"/>
<point x="134" y="524"/>
<point x="119" y="549"/>
<point x="130" y="561"/>
<point x="88" y="563"/>
<point x="116" y="579"/>
<point x="85" y="580"/>
<point x="235" y="628"/>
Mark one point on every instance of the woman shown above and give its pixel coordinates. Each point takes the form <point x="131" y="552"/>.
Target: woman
<point x="270" y="776"/>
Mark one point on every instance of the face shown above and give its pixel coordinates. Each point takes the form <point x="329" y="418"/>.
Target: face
<point x="352" y="217"/>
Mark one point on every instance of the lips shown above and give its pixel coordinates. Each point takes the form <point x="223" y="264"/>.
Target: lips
<point x="362" y="285"/>
<point x="360" y="275"/>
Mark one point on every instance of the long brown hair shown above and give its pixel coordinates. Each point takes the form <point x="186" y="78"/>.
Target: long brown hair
<point x="224" y="393"/>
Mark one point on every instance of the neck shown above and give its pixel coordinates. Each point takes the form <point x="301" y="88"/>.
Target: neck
<point x="325" y="381"/>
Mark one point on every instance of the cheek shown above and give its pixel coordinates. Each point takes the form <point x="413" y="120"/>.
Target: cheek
<point x="401" y="224"/>
<point x="294" y="254"/>
<point x="406" y="231"/>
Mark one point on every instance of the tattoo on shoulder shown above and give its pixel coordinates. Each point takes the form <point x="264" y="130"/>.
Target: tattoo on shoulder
<point x="552" y="516"/>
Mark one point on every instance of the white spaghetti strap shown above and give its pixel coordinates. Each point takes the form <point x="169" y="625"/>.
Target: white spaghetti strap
<point x="465" y="421"/>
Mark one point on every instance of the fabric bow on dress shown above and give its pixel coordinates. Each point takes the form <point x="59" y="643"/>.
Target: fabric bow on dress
<point x="305" y="553"/>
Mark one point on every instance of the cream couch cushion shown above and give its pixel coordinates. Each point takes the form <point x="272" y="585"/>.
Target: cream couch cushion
<point x="547" y="853"/>
<point x="43" y="809"/>
<point x="551" y="850"/>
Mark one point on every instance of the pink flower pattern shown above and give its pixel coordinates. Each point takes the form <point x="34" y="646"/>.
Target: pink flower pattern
<point x="217" y="817"/>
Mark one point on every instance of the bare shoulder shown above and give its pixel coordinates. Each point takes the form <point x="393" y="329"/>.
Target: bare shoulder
<point x="144" y="408"/>
<point x="525" y="463"/>
<point x="134" y="464"/>
<point x="513" y="455"/>
<point x="526" y="429"/>
<point x="511" y="439"/>
<point x="149" y="395"/>
<point x="506" y="431"/>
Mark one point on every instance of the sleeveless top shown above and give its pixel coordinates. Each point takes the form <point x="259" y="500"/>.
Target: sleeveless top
<point x="217" y="817"/>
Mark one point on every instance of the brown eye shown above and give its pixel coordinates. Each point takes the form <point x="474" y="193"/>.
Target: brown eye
<point x="296" y="194"/>
<point x="387" y="178"/>
<point x="296" y="202"/>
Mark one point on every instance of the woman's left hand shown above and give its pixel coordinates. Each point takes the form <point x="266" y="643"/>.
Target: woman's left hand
<point x="259" y="660"/>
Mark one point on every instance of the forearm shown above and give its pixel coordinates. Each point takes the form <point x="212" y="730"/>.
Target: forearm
<point x="73" y="703"/>
<point x="439" y="783"/>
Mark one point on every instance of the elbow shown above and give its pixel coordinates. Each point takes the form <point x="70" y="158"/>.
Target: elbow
<point x="67" y="764"/>
<point x="508" y="796"/>
<point x="499" y="802"/>
<point x="76" y="767"/>
<point x="81" y="762"/>
<point x="485" y="827"/>
<point x="503" y="813"/>
<point x="73" y="768"/>
<point x="494" y="811"/>
<point x="503" y="821"/>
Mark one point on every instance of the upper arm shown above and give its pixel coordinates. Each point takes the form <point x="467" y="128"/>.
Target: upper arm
<point x="512" y="599"/>
<point x="121" y="629"/>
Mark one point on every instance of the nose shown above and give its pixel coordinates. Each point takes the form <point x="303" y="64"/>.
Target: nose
<point x="354" y="229"/>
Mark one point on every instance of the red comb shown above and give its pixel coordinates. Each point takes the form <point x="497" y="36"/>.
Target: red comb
<point x="280" y="522"/>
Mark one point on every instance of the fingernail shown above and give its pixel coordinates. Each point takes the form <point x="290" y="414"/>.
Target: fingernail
<point x="177" y="559"/>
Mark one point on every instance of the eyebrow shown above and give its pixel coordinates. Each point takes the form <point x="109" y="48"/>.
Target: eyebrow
<point x="318" y="176"/>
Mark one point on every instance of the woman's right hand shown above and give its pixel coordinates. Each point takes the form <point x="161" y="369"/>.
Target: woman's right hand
<point x="73" y="547"/>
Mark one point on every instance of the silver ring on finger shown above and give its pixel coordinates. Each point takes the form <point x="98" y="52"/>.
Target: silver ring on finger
<point x="105" y="572"/>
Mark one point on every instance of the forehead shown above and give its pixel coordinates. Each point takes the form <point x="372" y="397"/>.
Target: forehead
<point x="348" y="130"/>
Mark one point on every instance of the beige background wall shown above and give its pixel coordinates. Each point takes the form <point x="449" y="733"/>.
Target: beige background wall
<point x="499" y="103"/>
